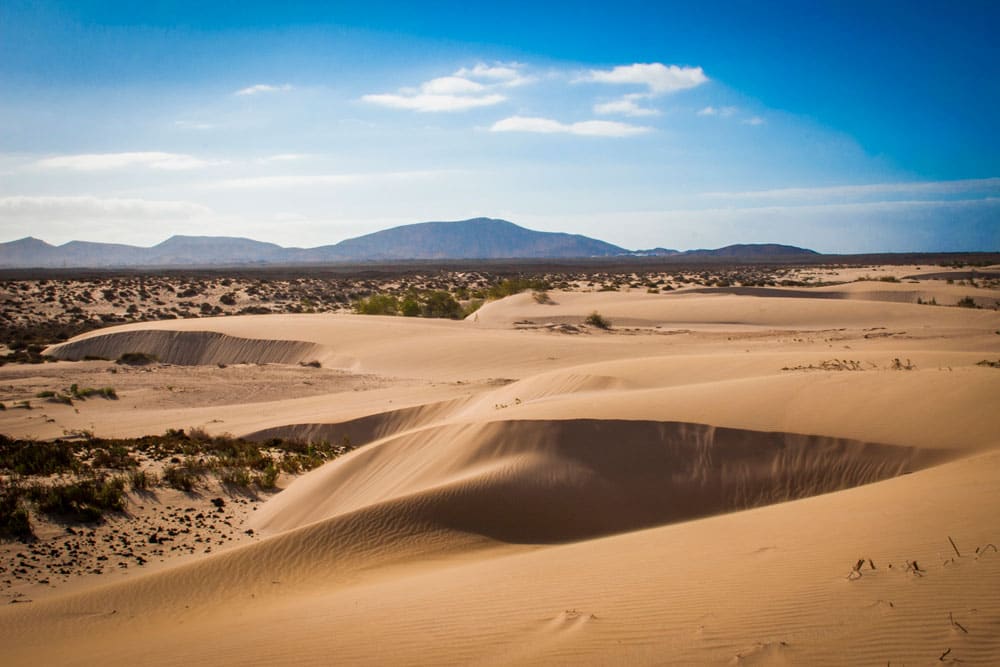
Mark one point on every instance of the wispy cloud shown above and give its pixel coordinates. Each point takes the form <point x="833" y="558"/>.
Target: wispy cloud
<point x="722" y="112"/>
<point x="107" y="161"/>
<point x="506" y="74"/>
<point x="193" y="125"/>
<point x="259" y="88"/>
<point x="658" y="78"/>
<point x="47" y="209"/>
<point x="753" y="120"/>
<point x="309" y="180"/>
<point x="468" y="88"/>
<point x="974" y="186"/>
<point x="590" y="128"/>
<point x="626" y="106"/>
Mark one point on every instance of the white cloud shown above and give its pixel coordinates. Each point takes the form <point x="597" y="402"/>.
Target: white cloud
<point x="591" y="128"/>
<point x="309" y="180"/>
<point x="754" y="120"/>
<point x="657" y="77"/>
<point x="451" y="85"/>
<point x="972" y="186"/>
<point x="723" y="112"/>
<point x="424" y="102"/>
<point x="625" y="106"/>
<point x="263" y="88"/>
<point x="54" y="209"/>
<point x="506" y="74"/>
<point x="468" y="88"/>
<point x="105" y="161"/>
<point x="284" y="157"/>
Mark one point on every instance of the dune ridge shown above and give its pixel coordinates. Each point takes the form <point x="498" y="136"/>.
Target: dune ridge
<point x="189" y="348"/>
<point x="553" y="481"/>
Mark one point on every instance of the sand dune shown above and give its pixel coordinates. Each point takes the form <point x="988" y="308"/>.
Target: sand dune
<point x="694" y="486"/>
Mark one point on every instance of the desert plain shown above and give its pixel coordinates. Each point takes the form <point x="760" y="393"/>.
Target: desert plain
<point x="801" y="471"/>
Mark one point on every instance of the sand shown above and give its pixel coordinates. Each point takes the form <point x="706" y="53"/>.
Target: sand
<point x="695" y="485"/>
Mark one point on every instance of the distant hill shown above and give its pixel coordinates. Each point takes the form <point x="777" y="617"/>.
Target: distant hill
<point x="479" y="238"/>
<point x="753" y="251"/>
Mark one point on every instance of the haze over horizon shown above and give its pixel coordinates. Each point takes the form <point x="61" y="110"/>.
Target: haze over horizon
<point x="855" y="127"/>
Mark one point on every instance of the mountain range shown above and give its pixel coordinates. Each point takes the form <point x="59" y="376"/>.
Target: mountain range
<point x="478" y="238"/>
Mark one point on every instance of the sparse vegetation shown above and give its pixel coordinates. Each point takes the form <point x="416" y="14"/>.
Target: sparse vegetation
<point x="988" y="363"/>
<point x="595" y="319"/>
<point x="83" y="500"/>
<point x="967" y="302"/>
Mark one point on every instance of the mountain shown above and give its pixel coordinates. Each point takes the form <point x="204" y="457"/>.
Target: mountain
<point x="753" y="251"/>
<point x="479" y="238"/>
<point x="203" y="250"/>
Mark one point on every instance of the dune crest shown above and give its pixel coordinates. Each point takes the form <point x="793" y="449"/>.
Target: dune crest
<point x="188" y="348"/>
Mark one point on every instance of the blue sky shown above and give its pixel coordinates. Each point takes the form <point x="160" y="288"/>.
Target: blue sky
<point x="840" y="126"/>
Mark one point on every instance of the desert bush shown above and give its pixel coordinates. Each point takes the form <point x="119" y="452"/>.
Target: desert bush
<point x="239" y="477"/>
<point x="967" y="302"/>
<point x="27" y="457"/>
<point x="141" y="480"/>
<point x="115" y="456"/>
<point x="83" y="500"/>
<point x="311" y="364"/>
<point x="595" y="319"/>
<point x="182" y="477"/>
<point x="377" y="304"/>
<point x="542" y="297"/>
<point x="268" y="478"/>
<point x="14" y="520"/>
<point x="410" y="307"/>
<point x="443" y="305"/>
<point x="511" y="286"/>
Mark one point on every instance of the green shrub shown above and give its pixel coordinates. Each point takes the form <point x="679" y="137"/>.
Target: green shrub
<point x="377" y="304"/>
<point x="410" y="307"/>
<point x="441" y="304"/>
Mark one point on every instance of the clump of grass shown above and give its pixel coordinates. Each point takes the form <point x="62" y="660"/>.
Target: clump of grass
<point x="115" y="456"/>
<point x="989" y="364"/>
<point x="142" y="480"/>
<point x="86" y="392"/>
<point x="238" y="477"/>
<point x="183" y="477"/>
<point x="967" y="302"/>
<point x="311" y="364"/>
<point x="27" y="457"/>
<point x="14" y="520"/>
<point x="889" y="279"/>
<point x="268" y="478"/>
<point x="84" y="500"/>
<point x="542" y="297"/>
<point x="137" y="359"/>
<point x="595" y="319"/>
<point x="511" y="286"/>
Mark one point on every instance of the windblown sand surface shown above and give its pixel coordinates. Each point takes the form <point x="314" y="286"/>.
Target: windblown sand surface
<point x="696" y="485"/>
